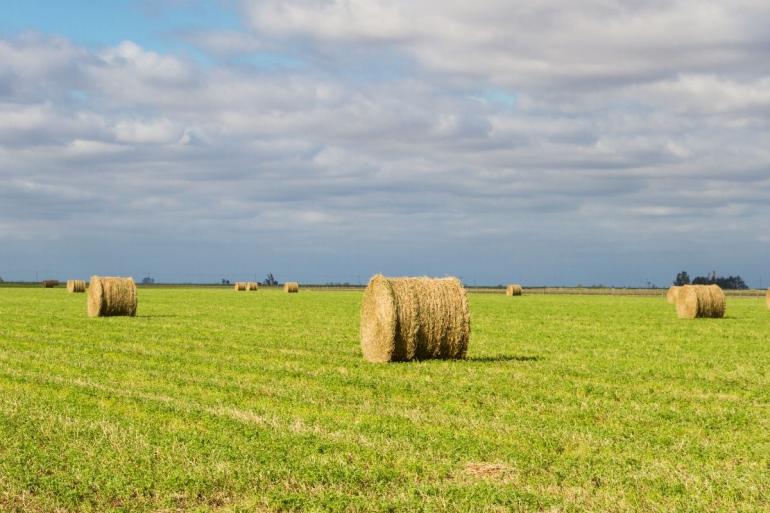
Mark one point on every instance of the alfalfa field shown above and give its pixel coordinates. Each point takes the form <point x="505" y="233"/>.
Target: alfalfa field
<point x="212" y="400"/>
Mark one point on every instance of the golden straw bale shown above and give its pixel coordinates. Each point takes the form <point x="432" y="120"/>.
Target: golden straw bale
<point x="291" y="287"/>
<point x="240" y="285"/>
<point x="700" y="301"/>
<point x="252" y="285"/>
<point x="49" y="284"/>
<point x="111" y="296"/>
<point x="673" y="294"/>
<point x="514" y="289"/>
<point x="405" y="319"/>
<point x="74" y="286"/>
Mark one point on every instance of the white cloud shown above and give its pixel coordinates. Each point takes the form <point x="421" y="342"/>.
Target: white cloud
<point x="23" y="117"/>
<point x="549" y="44"/>
<point x="146" y="65"/>
<point x="85" y="148"/>
<point x="711" y="94"/>
<point x="466" y="125"/>
<point x="157" y="131"/>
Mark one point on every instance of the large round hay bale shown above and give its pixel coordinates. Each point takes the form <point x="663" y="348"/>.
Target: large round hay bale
<point x="291" y="287"/>
<point x="405" y="319"/>
<point x="75" y="286"/>
<point x="513" y="289"/>
<point x="240" y="285"/>
<point x="252" y="285"/>
<point x="49" y="284"/>
<point x="700" y="301"/>
<point x="111" y="296"/>
<point x="673" y="294"/>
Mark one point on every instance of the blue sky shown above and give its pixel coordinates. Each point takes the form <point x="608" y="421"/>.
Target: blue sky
<point x="153" y="25"/>
<point x="614" y="143"/>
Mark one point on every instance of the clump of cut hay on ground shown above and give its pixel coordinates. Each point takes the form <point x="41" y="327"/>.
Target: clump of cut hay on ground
<point x="111" y="296"/>
<point x="252" y="285"/>
<point x="514" y="289"/>
<point x="291" y="287"/>
<point x="49" y="284"/>
<point x="240" y="285"/>
<point x="76" y="286"/>
<point x="405" y="319"/>
<point x="494" y="471"/>
<point x="700" y="301"/>
<point x="673" y="294"/>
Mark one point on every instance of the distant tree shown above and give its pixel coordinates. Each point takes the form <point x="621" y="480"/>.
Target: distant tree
<point x="225" y="281"/>
<point x="270" y="280"/>
<point x="736" y="283"/>
<point x="1" y="279"/>
<point x="728" y="283"/>
<point x="682" y="279"/>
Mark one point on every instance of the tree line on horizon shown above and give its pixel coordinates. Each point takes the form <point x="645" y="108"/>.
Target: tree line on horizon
<point x="728" y="283"/>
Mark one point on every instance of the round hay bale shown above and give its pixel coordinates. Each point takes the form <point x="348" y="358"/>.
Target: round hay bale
<point x="76" y="286"/>
<point x="513" y="289"/>
<point x="700" y="301"/>
<point x="49" y="284"/>
<point x="240" y="285"/>
<point x="673" y="294"/>
<point x="291" y="287"/>
<point x="252" y="285"/>
<point x="405" y="319"/>
<point x="111" y="296"/>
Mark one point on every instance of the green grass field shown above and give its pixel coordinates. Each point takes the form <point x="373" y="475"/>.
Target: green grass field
<point x="212" y="400"/>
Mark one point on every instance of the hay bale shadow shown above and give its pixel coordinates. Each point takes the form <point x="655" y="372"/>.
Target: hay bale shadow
<point x="505" y="358"/>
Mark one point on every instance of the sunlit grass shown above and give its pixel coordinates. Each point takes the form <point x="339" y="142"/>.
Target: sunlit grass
<point x="214" y="400"/>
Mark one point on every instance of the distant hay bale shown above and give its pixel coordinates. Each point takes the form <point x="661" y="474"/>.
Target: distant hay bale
<point x="291" y="287"/>
<point x="700" y="301"/>
<point x="240" y="285"/>
<point x="673" y="294"/>
<point x="75" y="286"/>
<point x="252" y="285"/>
<point x="514" y="289"/>
<point x="111" y="296"/>
<point x="49" y="284"/>
<point x="405" y="319"/>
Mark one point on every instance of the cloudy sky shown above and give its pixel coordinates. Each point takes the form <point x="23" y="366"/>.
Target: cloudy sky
<point x="549" y="142"/>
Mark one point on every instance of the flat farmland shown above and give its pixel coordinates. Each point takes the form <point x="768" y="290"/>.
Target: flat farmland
<point x="216" y="400"/>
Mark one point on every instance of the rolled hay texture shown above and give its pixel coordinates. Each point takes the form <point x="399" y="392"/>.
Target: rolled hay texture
<point x="405" y="319"/>
<point x="514" y="289"/>
<point x="252" y="285"/>
<point x="49" y="284"/>
<point x="240" y="285"/>
<point x="74" y="286"/>
<point x="111" y="296"/>
<point x="291" y="287"/>
<point x="673" y="294"/>
<point x="700" y="301"/>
